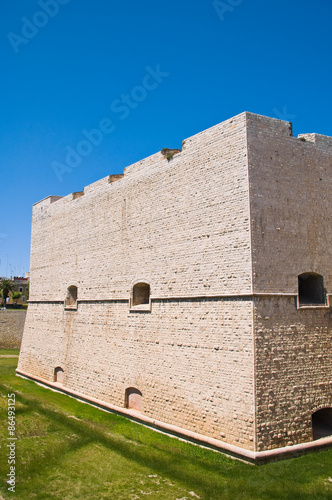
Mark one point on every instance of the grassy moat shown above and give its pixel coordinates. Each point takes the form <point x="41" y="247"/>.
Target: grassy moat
<point x="69" y="450"/>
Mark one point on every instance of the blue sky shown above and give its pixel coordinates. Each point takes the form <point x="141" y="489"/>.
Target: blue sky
<point x="146" y="75"/>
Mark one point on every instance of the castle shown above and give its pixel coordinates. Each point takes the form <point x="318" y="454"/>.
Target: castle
<point x="192" y="293"/>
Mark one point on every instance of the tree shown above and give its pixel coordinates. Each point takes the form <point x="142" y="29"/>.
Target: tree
<point x="27" y="291"/>
<point x="6" y="287"/>
<point x="16" y="296"/>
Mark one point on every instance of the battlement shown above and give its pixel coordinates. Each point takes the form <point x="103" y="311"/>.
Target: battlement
<point x="258" y="125"/>
<point x="47" y="201"/>
<point x="190" y="146"/>
<point x="323" y="142"/>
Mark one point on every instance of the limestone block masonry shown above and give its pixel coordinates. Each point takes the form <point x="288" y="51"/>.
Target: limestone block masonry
<point x="194" y="289"/>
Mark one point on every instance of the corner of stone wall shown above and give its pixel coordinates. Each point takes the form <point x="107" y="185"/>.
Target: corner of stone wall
<point x="271" y="125"/>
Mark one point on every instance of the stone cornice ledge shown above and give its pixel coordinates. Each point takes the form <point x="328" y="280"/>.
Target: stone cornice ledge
<point x="258" y="457"/>
<point x="174" y="298"/>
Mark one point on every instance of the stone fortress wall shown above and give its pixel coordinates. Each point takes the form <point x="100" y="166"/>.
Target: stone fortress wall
<point x="220" y="233"/>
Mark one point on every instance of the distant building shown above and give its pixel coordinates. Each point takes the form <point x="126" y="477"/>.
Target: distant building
<point x="21" y="285"/>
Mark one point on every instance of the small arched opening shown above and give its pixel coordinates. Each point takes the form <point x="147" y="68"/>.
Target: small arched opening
<point x="322" y="423"/>
<point x="311" y="289"/>
<point x="133" y="399"/>
<point x="141" y="294"/>
<point x="58" y="375"/>
<point x="71" y="297"/>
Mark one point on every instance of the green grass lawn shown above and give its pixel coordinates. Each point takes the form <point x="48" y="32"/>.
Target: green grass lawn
<point x="69" y="450"/>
